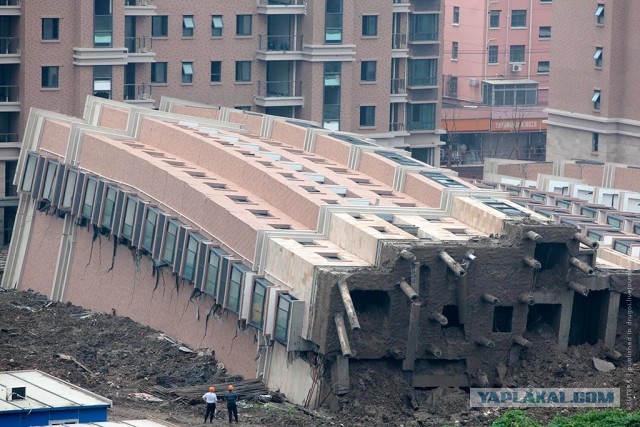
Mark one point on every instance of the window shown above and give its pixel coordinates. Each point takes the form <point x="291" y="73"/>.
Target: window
<point x="368" y="71"/>
<point x="282" y="319"/>
<point x="187" y="72"/>
<point x="50" y="77"/>
<point x="170" y="242"/>
<point x="213" y="267"/>
<point x="243" y="25"/>
<point x="493" y="54"/>
<point x="333" y="22"/>
<point x="494" y="19"/>
<point x="454" y="51"/>
<point x="422" y="117"/>
<point x="190" y="257"/>
<point x="256" y="317"/>
<point x="543" y="67"/>
<point x="331" y="95"/>
<point x="516" y="53"/>
<point x="187" y="26"/>
<point x="129" y="217"/>
<point x="50" y="28"/>
<point x="216" y="26"/>
<point x="102" y="23"/>
<point x="47" y="190"/>
<point x="518" y="18"/>
<point x="109" y="205"/>
<point x="235" y="288"/>
<point x="102" y="81"/>
<point x="423" y="72"/>
<point x="600" y="14"/>
<point x="149" y="231"/>
<point x="216" y="71"/>
<point x="423" y="27"/>
<point x="505" y="94"/>
<point x="598" y="57"/>
<point x="368" y="116"/>
<point x="452" y="86"/>
<point x="69" y="188"/>
<point x="595" y="140"/>
<point x="369" y="25"/>
<point x="243" y="107"/>
<point x="159" y="72"/>
<point x="443" y="180"/>
<point x="544" y="33"/>
<point x="160" y="26"/>
<point x="89" y="197"/>
<point x="29" y="172"/>
<point x="243" y="71"/>
<point x="456" y="15"/>
<point x="596" y="99"/>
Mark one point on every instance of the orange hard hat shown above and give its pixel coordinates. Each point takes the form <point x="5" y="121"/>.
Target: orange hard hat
<point x="230" y="387"/>
<point x="212" y="389"/>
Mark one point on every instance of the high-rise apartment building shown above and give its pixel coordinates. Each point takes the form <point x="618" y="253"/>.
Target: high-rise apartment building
<point x="593" y="110"/>
<point x="368" y="67"/>
<point x="497" y="61"/>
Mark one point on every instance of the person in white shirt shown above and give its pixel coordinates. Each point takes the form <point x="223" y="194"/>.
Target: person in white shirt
<point x="211" y="399"/>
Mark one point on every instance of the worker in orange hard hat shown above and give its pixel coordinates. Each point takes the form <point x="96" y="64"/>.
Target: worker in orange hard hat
<point x="210" y="398"/>
<point x="231" y="398"/>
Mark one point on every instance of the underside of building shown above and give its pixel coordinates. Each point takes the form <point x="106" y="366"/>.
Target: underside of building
<point x="295" y="252"/>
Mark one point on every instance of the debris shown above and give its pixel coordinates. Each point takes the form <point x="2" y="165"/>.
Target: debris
<point x="185" y="349"/>
<point x="145" y="396"/>
<point x="264" y="398"/>
<point x="603" y="365"/>
<point x="74" y="360"/>
<point x="205" y="352"/>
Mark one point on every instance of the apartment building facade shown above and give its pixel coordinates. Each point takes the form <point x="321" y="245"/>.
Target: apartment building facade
<point x="496" y="64"/>
<point x="593" y="112"/>
<point x="368" y="67"/>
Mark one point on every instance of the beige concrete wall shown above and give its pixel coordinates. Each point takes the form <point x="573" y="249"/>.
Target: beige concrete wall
<point x="333" y="149"/>
<point x="590" y="174"/>
<point x="377" y="167"/>
<point x="207" y="113"/>
<point x="55" y="136"/>
<point x="426" y="191"/>
<point x="295" y="377"/>
<point x="113" y="118"/>
<point x="525" y="170"/>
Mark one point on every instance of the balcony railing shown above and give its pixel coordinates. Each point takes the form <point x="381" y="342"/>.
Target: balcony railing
<point x="279" y="89"/>
<point x="9" y="137"/>
<point x="9" y="94"/>
<point x="424" y="37"/>
<point x="476" y="157"/>
<point x="9" y="3"/>
<point x="399" y="41"/>
<point x="396" y="127"/>
<point x="398" y="87"/>
<point x="423" y="81"/>
<point x="138" y="3"/>
<point x="421" y="126"/>
<point x="139" y="44"/>
<point x="282" y="2"/>
<point x="280" y="43"/>
<point x="9" y="45"/>
<point x="137" y="92"/>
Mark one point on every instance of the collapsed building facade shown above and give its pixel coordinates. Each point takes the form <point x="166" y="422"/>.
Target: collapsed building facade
<point x="295" y="252"/>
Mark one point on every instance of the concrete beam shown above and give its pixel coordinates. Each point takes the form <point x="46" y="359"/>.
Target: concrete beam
<point x="612" y="320"/>
<point x="348" y="305"/>
<point x="565" y="321"/>
<point x="342" y="335"/>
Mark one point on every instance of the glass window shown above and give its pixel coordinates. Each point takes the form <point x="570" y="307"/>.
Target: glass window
<point x="256" y="317"/>
<point x="282" y="319"/>
<point x="516" y="53"/>
<point x="423" y="72"/>
<point x="423" y="27"/>
<point x="454" y="50"/>
<point x="596" y="99"/>
<point x="456" y="14"/>
<point x="494" y="19"/>
<point x="452" y="86"/>
<point x="89" y="197"/>
<point x="543" y="67"/>
<point x="333" y="22"/>
<point x="235" y="288"/>
<point x="213" y="267"/>
<point x="598" y="57"/>
<point x="544" y="33"/>
<point x="159" y="72"/>
<point x="600" y="14"/>
<point x="187" y="72"/>
<point x="595" y="142"/>
<point x="367" y="116"/>
<point x="243" y="71"/>
<point x="493" y="54"/>
<point x="216" y="71"/>
<point x="50" y="28"/>
<point x="216" y="26"/>
<point x="160" y="26"/>
<point x="29" y="172"/>
<point x="518" y="18"/>
<point x="243" y="25"/>
<point x="129" y="217"/>
<point x="187" y="26"/>
<point x="422" y="116"/>
<point x="368" y="71"/>
<point x="369" y="25"/>
<point x="69" y="188"/>
<point x="50" y="77"/>
<point x="149" y="231"/>
<point x="102" y="23"/>
<point x="109" y="205"/>
<point x="170" y="242"/>
<point x="50" y="176"/>
<point x="190" y="257"/>
<point x="102" y="81"/>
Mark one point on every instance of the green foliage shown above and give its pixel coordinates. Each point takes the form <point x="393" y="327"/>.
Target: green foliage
<point x="515" y="419"/>
<point x="292" y="410"/>
<point x="607" y="418"/>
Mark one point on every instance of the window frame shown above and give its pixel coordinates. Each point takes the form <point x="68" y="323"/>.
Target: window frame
<point x="241" y="24"/>
<point x="516" y="48"/>
<point x="187" y="72"/>
<point x="68" y="193"/>
<point x="159" y="26"/>
<point x="456" y="15"/>
<point x="542" y="36"/>
<point x="234" y="291"/>
<point x="595" y="142"/>
<point x="52" y="80"/>
<point x="239" y="71"/>
<point x="333" y="31"/>
<point x="54" y="30"/>
<point x="517" y="16"/>
<point x="105" y="207"/>
<point x="214" y="74"/>
<point x="149" y="228"/>
<point x="596" y="99"/>
<point x="215" y="253"/>
<point x="492" y="49"/>
<point x="494" y="14"/>
<point x="367" y="68"/>
<point x="216" y="31"/>
<point x="129" y="217"/>
<point x="368" y="113"/>
<point x="264" y="285"/>
<point x="286" y="298"/>
<point x="455" y="46"/>
<point x="369" y="29"/>
<point x="597" y="56"/>
<point x="188" y="26"/>
<point x="548" y="67"/>
<point x="154" y="72"/>
<point x="49" y="180"/>
<point x="191" y="256"/>
<point x="600" y="14"/>
<point x="91" y="182"/>
<point x="29" y="173"/>
<point x="169" y="258"/>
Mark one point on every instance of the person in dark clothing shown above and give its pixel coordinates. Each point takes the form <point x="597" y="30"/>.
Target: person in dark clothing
<point x="210" y="398"/>
<point x="231" y="399"/>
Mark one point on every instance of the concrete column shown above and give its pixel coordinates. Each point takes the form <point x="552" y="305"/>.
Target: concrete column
<point x="414" y="320"/>
<point x="612" y="320"/>
<point x="565" y="321"/>
<point x="340" y="376"/>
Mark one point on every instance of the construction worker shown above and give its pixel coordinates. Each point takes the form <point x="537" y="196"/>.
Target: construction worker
<point x="231" y="399"/>
<point x="210" y="398"/>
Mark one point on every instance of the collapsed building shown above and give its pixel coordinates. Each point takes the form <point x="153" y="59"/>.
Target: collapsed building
<point x="296" y="252"/>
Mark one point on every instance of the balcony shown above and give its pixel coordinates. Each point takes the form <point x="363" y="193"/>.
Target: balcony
<point x="9" y="7"/>
<point x="398" y="90"/>
<point x="9" y="99"/>
<point x="282" y="7"/>
<point x="399" y="46"/>
<point x="9" y="50"/>
<point x="397" y="127"/>
<point x="279" y="93"/>
<point x="139" y="94"/>
<point x="9" y="137"/>
<point x="401" y="6"/>
<point x="140" y="49"/>
<point x="139" y="8"/>
<point x="281" y="47"/>
<point x="423" y="82"/>
<point x="86" y="56"/>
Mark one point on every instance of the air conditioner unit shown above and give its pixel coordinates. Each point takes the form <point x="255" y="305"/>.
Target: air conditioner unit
<point x="144" y="3"/>
<point x="473" y="82"/>
<point x="516" y="68"/>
